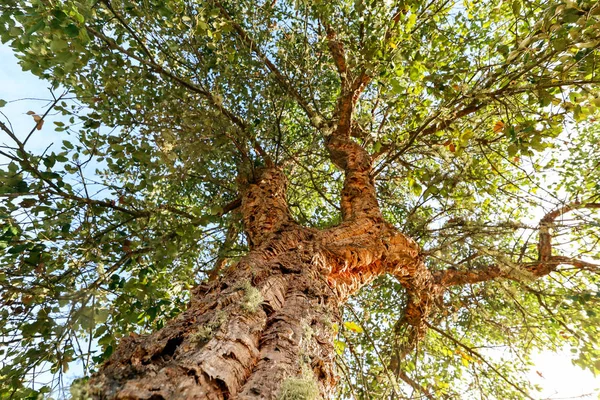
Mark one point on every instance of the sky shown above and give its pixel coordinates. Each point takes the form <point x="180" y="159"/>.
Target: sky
<point x="24" y="92"/>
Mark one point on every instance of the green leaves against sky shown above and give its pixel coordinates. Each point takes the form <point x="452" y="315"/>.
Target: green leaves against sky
<point x="483" y="114"/>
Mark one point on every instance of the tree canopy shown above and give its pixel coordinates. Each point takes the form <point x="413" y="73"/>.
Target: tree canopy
<point x="481" y="116"/>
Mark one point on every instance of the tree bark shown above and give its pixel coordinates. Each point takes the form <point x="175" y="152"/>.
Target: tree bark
<point x="264" y="330"/>
<point x="267" y="322"/>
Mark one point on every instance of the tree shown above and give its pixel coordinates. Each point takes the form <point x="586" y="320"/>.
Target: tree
<point x="398" y="187"/>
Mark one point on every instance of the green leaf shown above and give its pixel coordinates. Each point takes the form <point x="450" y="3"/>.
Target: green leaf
<point x="36" y="27"/>
<point x="416" y="189"/>
<point x="58" y="45"/>
<point x="71" y="30"/>
<point x="559" y="44"/>
<point x="516" y="7"/>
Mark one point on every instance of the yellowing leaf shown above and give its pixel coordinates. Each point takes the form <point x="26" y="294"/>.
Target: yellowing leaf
<point x="38" y="119"/>
<point x="339" y="347"/>
<point x="498" y="126"/>
<point x="353" y="326"/>
<point x="466" y="136"/>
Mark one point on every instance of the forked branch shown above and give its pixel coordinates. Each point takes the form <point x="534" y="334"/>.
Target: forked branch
<point x="352" y="83"/>
<point x="546" y="263"/>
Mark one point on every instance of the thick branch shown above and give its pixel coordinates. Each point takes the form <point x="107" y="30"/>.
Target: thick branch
<point x="546" y="263"/>
<point x="359" y="199"/>
<point x="352" y="84"/>
<point x="338" y="53"/>
<point x="264" y="207"/>
<point x="423" y="286"/>
<point x="347" y="102"/>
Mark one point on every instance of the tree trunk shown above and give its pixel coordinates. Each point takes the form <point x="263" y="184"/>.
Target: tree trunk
<point x="262" y="331"/>
<point x="265" y="329"/>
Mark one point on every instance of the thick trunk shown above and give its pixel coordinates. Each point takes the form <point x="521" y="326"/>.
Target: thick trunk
<point x="263" y="331"/>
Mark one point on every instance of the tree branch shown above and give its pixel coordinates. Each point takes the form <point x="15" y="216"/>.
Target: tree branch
<point x="412" y="383"/>
<point x="315" y="118"/>
<point x="213" y="102"/>
<point x="358" y="195"/>
<point x="359" y="198"/>
<point x="425" y="130"/>
<point x="230" y="238"/>
<point x="128" y="28"/>
<point x="351" y="84"/>
<point x="479" y="356"/>
<point x="338" y="53"/>
<point x="546" y="263"/>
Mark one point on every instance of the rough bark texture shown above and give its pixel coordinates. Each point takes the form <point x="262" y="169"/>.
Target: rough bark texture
<point x="265" y="328"/>
<point x="268" y="320"/>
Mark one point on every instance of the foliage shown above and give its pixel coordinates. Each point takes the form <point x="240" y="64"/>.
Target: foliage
<point x="482" y="112"/>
